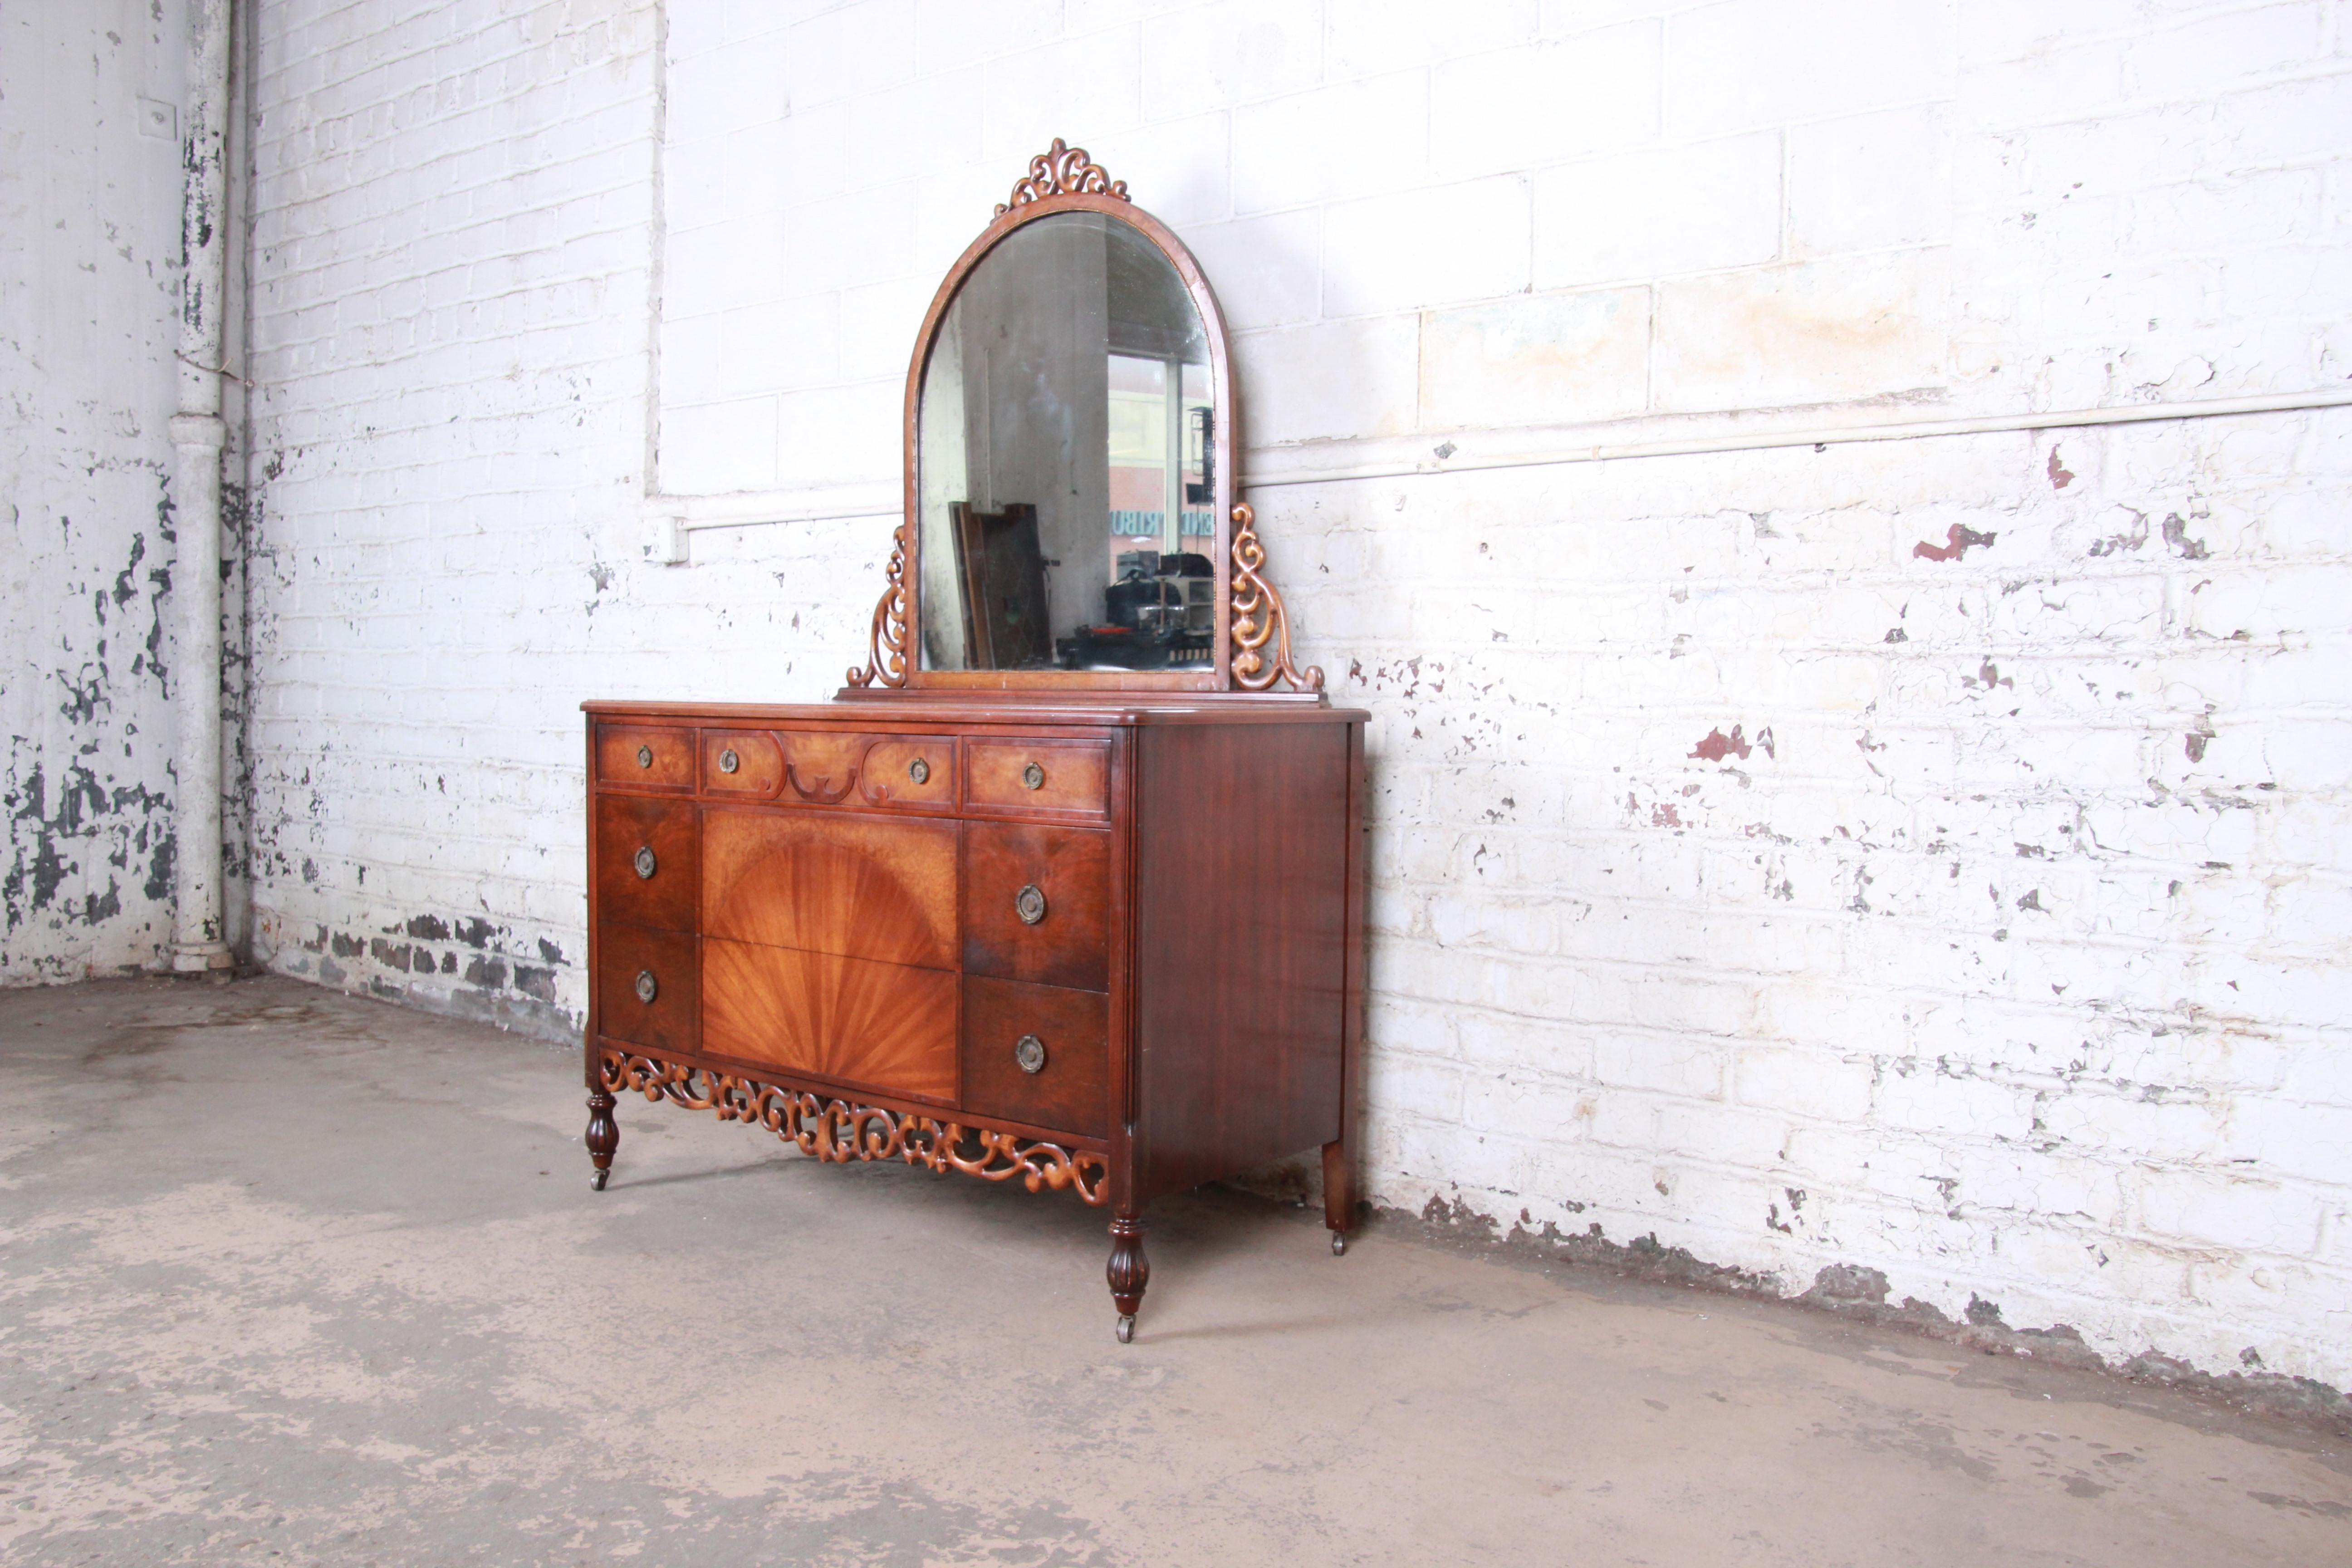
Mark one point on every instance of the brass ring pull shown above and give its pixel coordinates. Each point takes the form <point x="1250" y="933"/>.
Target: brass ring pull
<point x="1034" y="776"/>
<point x="729" y="761"/>
<point x="1029" y="903"/>
<point x="1029" y="1053"/>
<point x="645" y="756"/>
<point x="645" y="862"/>
<point x="647" y="989"/>
<point x="919" y="771"/>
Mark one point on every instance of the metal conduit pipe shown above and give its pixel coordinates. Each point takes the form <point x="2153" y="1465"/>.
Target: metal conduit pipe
<point x="198" y="437"/>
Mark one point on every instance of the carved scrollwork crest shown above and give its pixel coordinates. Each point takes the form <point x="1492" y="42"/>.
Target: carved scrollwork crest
<point x="1259" y="617"/>
<point x="1062" y="171"/>
<point x="887" y="661"/>
<point x="840" y="1133"/>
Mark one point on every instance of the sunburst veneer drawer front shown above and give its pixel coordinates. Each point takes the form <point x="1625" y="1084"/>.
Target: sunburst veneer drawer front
<point x="858" y="886"/>
<point x="648" y="992"/>
<point x="645" y="756"/>
<point x="649" y="860"/>
<point x="883" y="1026"/>
<point x="1038" y="1054"/>
<point x="1066" y="780"/>
<point x="1036" y="903"/>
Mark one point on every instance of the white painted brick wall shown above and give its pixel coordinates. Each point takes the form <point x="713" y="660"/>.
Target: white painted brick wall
<point x="2012" y="966"/>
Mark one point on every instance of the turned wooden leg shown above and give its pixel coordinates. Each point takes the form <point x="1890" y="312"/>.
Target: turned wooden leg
<point x="603" y="1136"/>
<point x="1339" y="1192"/>
<point x="1129" y="1272"/>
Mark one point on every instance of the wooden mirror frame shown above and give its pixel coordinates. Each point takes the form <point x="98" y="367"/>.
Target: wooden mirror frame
<point x="1248" y="612"/>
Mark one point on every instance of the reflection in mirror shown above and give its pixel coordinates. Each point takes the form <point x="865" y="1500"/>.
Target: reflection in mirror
<point x="1067" y="428"/>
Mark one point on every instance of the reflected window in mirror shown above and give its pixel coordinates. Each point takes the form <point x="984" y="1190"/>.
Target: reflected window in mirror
<point x="1067" y="424"/>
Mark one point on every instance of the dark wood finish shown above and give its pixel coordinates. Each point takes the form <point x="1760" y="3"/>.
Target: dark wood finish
<point x="1070" y="870"/>
<point x="643" y="756"/>
<point x="1071" y="782"/>
<point x="759" y="770"/>
<point x="857" y="887"/>
<point x="629" y="825"/>
<point x="668" y="1022"/>
<point x="604" y="1137"/>
<point x="1241" y="849"/>
<point x="886" y="1026"/>
<point x="1071" y="1089"/>
<point x="1003" y="583"/>
<point x="1127" y="1272"/>
<point x="1339" y="1155"/>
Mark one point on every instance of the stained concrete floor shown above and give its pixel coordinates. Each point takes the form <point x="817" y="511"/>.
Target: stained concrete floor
<point x="286" y="1275"/>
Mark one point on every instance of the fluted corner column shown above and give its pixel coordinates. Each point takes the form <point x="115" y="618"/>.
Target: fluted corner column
<point x="197" y="437"/>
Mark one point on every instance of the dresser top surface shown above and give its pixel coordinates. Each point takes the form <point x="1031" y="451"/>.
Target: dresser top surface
<point x="993" y="708"/>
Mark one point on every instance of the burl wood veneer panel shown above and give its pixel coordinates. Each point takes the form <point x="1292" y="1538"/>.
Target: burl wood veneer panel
<point x="1241" y="945"/>
<point x="758" y="770"/>
<point x="858" y="886"/>
<point x="1070" y="868"/>
<point x="649" y="860"/>
<point x="917" y="771"/>
<point x="882" y="1026"/>
<point x="1072" y="779"/>
<point x="1072" y="1092"/>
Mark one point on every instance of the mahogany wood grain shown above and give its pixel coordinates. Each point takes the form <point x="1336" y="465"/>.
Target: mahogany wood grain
<point x="859" y="887"/>
<point x="1072" y="1090"/>
<point x="628" y="824"/>
<point x="1240" y="934"/>
<point x="1071" y="867"/>
<point x="884" y="1025"/>
<point x="668" y="1022"/>
<point x="1339" y="1155"/>
<point x="822" y="766"/>
<point x="1073" y="777"/>
<point x="759" y="764"/>
<point x="889" y="774"/>
<point x="669" y="753"/>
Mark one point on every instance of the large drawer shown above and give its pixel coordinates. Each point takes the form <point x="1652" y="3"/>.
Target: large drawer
<point x="883" y="1027"/>
<point x="1037" y="1054"/>
<point x="854" y="885"/>
<point x="648" y="862"/>
<point x="1036" y="903"/>
<point x="647" y="988"/>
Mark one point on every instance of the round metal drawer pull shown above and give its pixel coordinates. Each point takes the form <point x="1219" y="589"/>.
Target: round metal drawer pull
<point x="645" y="862"/>
<point x="646" y="987"/>
<point x="729" y="761"/>
<point x="919" y="771"/>
<point x="645" y="756"/>
<point x="1029" y="903"/>
<point x="1034" y="776"/>
<point x="1029" y="1053"/>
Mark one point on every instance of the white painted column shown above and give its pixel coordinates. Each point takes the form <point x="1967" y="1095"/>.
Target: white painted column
<point x="198" y="437"/>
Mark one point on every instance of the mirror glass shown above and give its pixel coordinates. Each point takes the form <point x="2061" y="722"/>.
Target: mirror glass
<point x="1065" y="450"/>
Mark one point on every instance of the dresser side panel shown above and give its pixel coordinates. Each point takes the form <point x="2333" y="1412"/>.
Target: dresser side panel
<point x="1240" y="945"/>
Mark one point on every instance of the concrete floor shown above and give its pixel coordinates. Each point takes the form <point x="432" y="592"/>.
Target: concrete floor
<point x="286" y="1275"/>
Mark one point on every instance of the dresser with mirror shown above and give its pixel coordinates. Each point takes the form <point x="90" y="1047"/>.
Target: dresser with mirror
<point x="1065" y="886"/>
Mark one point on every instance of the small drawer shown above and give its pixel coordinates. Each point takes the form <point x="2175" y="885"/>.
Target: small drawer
<point x="1036" y="903"/>
<point x="822" y="766"/>
<point x="1038" y="1054"/>
<point x="1063" y="780"/>
<point x="648" y="987"/>
<point x="648" y="861"/>
<point x="912" y="771"/>
<point x="645" y="756"/>
<point x="742" y="762"/>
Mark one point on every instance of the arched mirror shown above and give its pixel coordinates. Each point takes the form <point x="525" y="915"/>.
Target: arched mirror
<point x="1070" y="514"/>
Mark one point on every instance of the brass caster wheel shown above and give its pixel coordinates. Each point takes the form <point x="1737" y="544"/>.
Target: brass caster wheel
<point x="1339" y="1244"/>
<point x="1126" y="1330"/>
<point x="598" y="1180"/>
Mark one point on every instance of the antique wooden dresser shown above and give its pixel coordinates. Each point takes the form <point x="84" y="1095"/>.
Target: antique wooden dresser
<point x="1060" y="888"/>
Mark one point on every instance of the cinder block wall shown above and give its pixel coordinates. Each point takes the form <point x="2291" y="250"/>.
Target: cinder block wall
<point x="1926" y="857"/>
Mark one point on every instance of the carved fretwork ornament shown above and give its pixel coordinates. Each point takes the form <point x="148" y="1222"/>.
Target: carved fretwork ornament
<point x="1259" y="617"/>
<point x="887" y="661"/>
<point x="841" y="1132"/>
<point x="1062" y="171"/>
